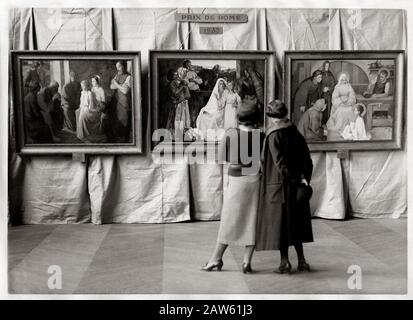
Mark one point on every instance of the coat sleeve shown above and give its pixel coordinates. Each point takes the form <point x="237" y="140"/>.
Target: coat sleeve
<point x="276" y="146"/>
<point x="307" y="161"/>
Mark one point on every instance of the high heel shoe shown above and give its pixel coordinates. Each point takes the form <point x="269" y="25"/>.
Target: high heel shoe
<point x="284" y="268"/>
<point x="246" y="268"/>
<point x="211" y="267"/>
<point x="303" y="266"/>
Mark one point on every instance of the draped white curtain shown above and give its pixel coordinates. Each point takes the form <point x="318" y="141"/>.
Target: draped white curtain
<point x="136" y="189"/>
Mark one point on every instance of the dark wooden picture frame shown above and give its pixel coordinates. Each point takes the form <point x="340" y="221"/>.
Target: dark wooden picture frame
<point x="178" y="56"/>
<point x="380" y="103"/>
<point x="60" y="65"/>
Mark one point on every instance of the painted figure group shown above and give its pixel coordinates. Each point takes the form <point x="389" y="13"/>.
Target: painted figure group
<point x="82" y="110"/>
<point x="327" y="109"/>
<point x="187" y="107"/>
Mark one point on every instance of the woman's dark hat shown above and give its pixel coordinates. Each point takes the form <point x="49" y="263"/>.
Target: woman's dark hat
<point x="304" y="193"/>
<point x="277" y="109"/>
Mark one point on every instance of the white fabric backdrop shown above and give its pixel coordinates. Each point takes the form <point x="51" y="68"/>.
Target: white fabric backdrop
<point x="135" y="189"/>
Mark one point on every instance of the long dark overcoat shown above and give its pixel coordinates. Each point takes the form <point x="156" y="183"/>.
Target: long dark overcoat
<point x="281" y="220"/>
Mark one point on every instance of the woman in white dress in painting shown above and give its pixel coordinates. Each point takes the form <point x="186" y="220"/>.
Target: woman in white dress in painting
<point x="343" y="101"/>
<point x="89" y="127"/>
<point x="357" y="130"/>
<point x="210" y="121"/>
<point x="232" y="102"/>
<point x="98" y="92"/>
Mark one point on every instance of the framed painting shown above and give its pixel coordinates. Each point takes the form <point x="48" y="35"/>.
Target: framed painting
<point x="77" y="102"/>
<point x="195" y="94"/>
<point x="347" y="100"/>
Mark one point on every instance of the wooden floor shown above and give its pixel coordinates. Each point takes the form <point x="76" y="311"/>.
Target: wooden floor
<point x="165" y="258"/>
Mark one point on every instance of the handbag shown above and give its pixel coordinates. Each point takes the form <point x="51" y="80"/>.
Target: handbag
<point x="304" y="192"/>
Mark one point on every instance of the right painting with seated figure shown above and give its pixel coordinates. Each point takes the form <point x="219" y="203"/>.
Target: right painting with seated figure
<point x="346" y="99"/>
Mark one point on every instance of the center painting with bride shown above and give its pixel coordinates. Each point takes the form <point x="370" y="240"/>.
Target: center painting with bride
<point x="199" y="98"/>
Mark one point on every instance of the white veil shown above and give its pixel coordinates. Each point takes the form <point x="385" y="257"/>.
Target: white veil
<point x="206" y="119"/>
<point x="212" y="105"/>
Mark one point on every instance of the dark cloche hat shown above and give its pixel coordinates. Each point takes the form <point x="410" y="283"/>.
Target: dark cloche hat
<point x="277" y="109"/>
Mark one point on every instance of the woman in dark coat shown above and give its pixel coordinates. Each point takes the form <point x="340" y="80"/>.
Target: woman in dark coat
<point x="282" y="221"/>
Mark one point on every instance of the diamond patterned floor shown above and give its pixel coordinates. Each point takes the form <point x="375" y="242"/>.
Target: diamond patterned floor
<point x="165" y="259"/>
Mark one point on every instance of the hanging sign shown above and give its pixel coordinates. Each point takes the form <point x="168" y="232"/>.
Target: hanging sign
<point x="212" y="17"/>
<point x="211" y="30"/>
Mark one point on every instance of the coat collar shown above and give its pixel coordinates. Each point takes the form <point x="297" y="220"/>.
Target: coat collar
<point x="277" y="124"/>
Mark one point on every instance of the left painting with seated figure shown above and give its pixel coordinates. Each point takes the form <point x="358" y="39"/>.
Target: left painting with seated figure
<point x="73" y="102"/>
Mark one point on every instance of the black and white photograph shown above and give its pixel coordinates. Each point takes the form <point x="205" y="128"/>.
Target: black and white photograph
<point x="77" y="100"/>
<point x="213" y="151"/>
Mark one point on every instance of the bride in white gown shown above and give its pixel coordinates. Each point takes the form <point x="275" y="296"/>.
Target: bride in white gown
<point x="210" y="121"/>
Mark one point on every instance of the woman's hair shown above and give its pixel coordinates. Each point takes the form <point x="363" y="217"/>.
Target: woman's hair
<point x="85" y="83"/>
<point x="185" y="63"/>
<point x="277" y="109"/>
<point x="360" y="108"/>
<point x="325" y="62"/>
<point x="122" y="63"/>
<point x="385" y="72"/>
<point x="97" y="78"/>
<point x="231" y="80"/>
<point x="317" y="73"/>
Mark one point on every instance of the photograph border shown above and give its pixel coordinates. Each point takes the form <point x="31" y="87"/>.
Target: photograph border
<point x="135" y="147"/>
<point x="154" y="55"/>
<point x="400" y="96"/>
